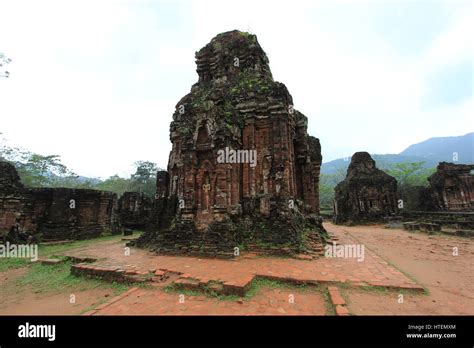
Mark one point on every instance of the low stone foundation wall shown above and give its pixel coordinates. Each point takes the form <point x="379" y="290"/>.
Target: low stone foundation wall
<point x="449" y="220"/>
<point x="51" y="214"/>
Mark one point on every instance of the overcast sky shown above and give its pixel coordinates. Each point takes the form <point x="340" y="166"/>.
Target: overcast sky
<point x="96" y="82"/>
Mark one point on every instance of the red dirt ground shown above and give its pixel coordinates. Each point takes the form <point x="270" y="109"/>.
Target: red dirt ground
<point x="449" y="279"/>
<point x="16" y="300"/>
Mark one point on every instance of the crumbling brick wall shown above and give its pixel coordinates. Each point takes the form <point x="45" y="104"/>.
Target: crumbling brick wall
<point x="417" y="198"/>
<point x="64" y="213"/>
<point x="53" y="213"/>
<point x="134" y="210"/>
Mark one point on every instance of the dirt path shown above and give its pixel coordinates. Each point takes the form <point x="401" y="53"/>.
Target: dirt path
<point x="429" y="259"/>
<point x="21" y="300"/>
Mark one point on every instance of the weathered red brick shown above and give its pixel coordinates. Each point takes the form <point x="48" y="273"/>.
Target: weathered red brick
<point x="341" y="310"/>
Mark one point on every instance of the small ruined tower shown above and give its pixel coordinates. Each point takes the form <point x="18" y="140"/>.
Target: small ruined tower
<point x="452" y="186"/>
<point x="242" y="171"/>
<point x="367" y="194"/>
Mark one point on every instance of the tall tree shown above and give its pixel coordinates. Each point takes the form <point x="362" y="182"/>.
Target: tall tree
<point x="144" y="171"/>
<point x="35" y="170"/>
<point x="327" y="183"/>
<point x="410" y="174"/>
<point x="115" y="184"/>
<point x="144" y="178"/>
<point x="40" y="171"/>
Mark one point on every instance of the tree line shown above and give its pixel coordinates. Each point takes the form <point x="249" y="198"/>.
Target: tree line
<point x="36" y="170"/>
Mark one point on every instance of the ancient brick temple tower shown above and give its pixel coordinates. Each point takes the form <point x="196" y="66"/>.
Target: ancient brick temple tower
<point x="242" y="171"/>
<point x="452" y="186"/>
<point x="366" y="194"/>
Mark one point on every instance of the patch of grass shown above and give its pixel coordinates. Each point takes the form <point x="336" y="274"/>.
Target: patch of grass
<point x="12" y="263"/>
<point x="50" y="250"/>
<point x="260" y="283"/>
<point x="56" y="278"/>
<point x="232" y="298"/>
<point x="368" y="288"/>
<point x="330" y="308"/>
<point x="379" y="289"/>
<point x="47" y="251"/>
<point x="273" y="256"/>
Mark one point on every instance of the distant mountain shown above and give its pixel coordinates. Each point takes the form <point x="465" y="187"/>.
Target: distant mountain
<point x="442" y="148"/>
<point x="432" y="151"/>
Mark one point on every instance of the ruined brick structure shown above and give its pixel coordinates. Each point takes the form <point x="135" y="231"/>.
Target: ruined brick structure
<point x="417" y="198"/>
<point x="53" y="213"/>
<point x="452" y="186"/>
<point x="134" y="210"/>
<point x="15" y="208"/>
<point x="242" y="171"/>
<point x="63" y="213"/>
<point x="367" y="194"/>
<point x="164" y="207"/>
